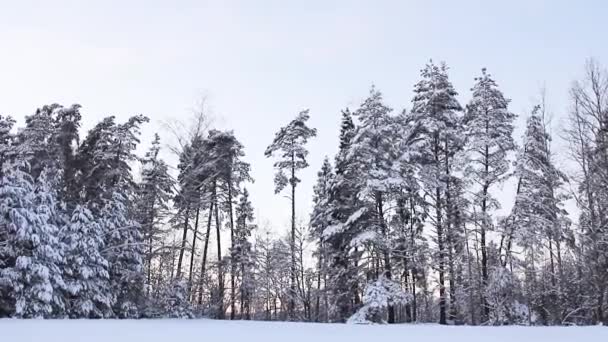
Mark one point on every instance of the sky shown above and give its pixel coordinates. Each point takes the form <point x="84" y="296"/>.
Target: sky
<point x="258" y="63"/>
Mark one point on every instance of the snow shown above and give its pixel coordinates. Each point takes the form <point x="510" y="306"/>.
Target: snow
<point x="219" y="331"/>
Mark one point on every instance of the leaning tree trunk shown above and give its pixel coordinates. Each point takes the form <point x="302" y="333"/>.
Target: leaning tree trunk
<point x="220" y="270"/>
<point x="183" y="247"/>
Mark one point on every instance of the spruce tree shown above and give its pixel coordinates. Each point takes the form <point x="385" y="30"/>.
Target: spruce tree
<point x="242" y="254"/>
<point x="33" y="253"/>
<point x="345" y="221"/>
<point x="86" y="269"/>
<point x="319" y="221"/>
<point x="124" y="252"/>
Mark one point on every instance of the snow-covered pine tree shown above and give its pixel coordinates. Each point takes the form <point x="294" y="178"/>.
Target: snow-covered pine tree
<point x="489" y="131"/>
<point x="289" y="147"/>
<point x="435" y="114"/>
<point x="35" y="141"/>
<point x="194" y="170"/>
<point x="227" y="153"/>
<point x="47" y="141"/>
<point x="106" y="182"/>
<point x="86" y="269"/>
<point x="66" y="123"/>
<point x="154" y="194"/>
<point x="95" y="163"/>
<point x="374" y="150"/>
<point x="538" y="218"/>
<point x="410" y="211"/>
<point x="104" y="160"/>
<point x="588" y="137"/>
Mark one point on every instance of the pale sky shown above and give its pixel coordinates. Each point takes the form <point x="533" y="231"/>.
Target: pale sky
<point x="259" y="63"/>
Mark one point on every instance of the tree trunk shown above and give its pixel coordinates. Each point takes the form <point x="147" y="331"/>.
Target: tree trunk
<point x="408" y="306"/>
<point x="471" y="281"/>
<point x="232" y="265"/>
<point x="449" y="211"/>
<point x="385" y="252"/>
<point x="440" y="246"/>
<point x="149" y="262"/>
<point x="183" y="248"/>
<point x="482" y="232"/>
<point x="220" y="270"/>
<point x="414" y="301"/>
<point x="291" y="307"/>
<point x="193" y="250"/>
<point x="320" y="270"/>
<point x="204" y="262"/>
<point x="150" y="241"/>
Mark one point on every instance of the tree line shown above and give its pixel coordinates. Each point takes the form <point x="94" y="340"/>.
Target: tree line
<point x="404" y="225"/>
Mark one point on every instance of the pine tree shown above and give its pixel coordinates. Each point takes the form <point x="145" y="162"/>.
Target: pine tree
<point x="410" y="213"/>
<point x="104" y="160"/>
<point x="587" y="134"/>
<point x="106" y="182"/>
<point x="193" y="172"/>
<point x="289" y="143"/>
<point x="373" y="146"/>
<point x="435" y="114"/>
<point x="489" y="140"/>
<point x="66" y="123"/>
<point x="35" y="141"/>
<point x="227" y="153"/>
<point x="154" y="193"/>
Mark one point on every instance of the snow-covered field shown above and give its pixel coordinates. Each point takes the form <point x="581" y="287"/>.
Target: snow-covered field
<point x="227" y="331"/>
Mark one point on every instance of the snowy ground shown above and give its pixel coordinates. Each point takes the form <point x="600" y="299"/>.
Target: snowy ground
<point x="226" y="331"/>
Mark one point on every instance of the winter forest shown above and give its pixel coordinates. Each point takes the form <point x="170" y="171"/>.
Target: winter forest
<point x="404" y="226"/>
